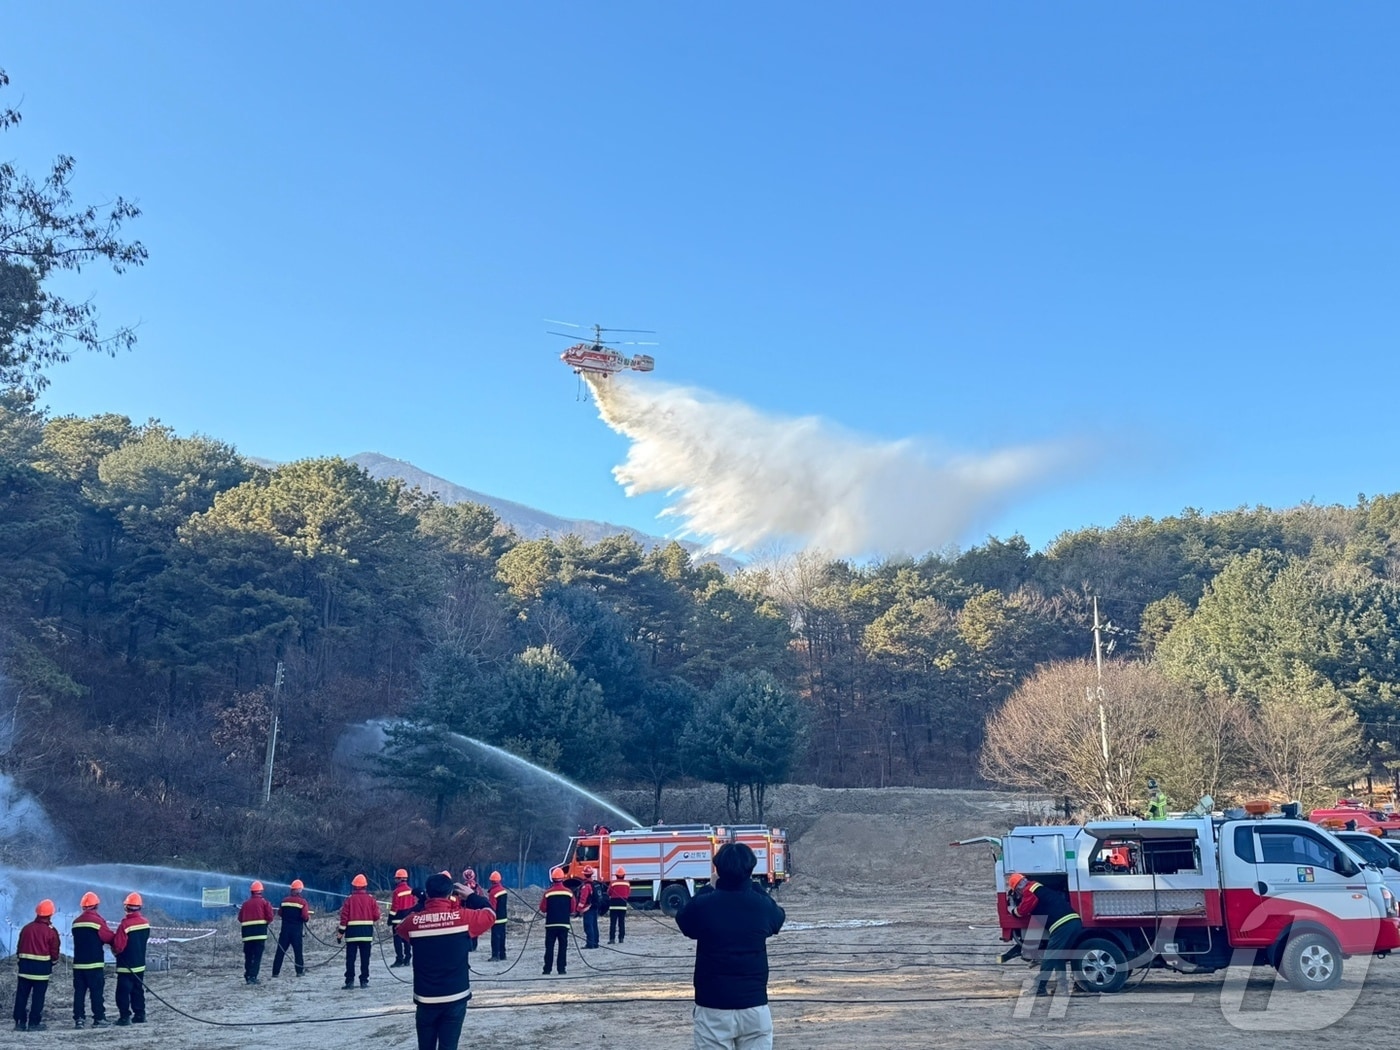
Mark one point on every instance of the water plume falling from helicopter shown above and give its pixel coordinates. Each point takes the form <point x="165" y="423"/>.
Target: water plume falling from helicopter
<point x="741" y="479"/>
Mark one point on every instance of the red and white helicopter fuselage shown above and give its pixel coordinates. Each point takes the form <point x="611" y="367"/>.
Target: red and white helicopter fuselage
<point x="596" y="360"/>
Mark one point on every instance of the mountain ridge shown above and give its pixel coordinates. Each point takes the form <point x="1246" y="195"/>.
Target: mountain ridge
<point x="528" y="522"/>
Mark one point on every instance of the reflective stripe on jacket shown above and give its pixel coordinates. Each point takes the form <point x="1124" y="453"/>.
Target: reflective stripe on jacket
<point x="254" y="916"/>
<point x="441" y="935"/>
<point x="129" y="943"/>
<point x="295" y="911"/>
<point x="618" y="895"/>
<point x="90" y="933"/>
<point x="37" y="950"/>
<point x="557" y="905"/>
<point x="358" y="915"/>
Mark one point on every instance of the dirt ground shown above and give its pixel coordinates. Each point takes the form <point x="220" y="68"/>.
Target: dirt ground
<point x="890" y="942"/>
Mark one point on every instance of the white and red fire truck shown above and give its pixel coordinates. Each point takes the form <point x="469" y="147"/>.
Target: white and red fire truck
<point x="1199" y="893"/>
<point x="665" y="863"/>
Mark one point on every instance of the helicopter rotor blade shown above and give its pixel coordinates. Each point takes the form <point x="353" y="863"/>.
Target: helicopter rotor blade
<point x="643" y="331"/>
<point x="633" y="342"/>
<point x="566" y="324"/>
<point x="585" y="339"/>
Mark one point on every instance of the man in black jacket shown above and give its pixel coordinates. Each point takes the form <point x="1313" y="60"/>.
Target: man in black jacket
<point x="732" y="925"/>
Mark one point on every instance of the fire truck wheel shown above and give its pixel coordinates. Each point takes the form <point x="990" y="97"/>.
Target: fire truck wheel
<point x="1100" y="965"/>
<point x="1311" y="962"/>
<point x="673" y="899"/>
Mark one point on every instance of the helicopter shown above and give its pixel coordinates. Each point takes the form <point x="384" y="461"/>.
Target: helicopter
<point x="600" y="357"/>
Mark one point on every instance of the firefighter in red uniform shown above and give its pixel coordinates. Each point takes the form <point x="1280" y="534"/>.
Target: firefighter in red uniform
<point x="441" y="971"/>
<point x="588" y="907"/>
<point x="1061" y="926"/>
<point x="358" y="915"/>
<point x="401" y="904"/>
<point x="129" y="946"/>
<point x="558" y="907"/>
<point x="255" y="916"/>
<point x="471" y="896"/>
<point x="90" y="933"/>
<point x="469" y="880"/>
<point x="37" y="951"/>
<point x="498" y="895"/>
<point x="619" y="893"/>
<point x="295" y="912"/>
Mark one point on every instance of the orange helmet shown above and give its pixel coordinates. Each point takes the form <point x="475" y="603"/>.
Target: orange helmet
<point x="401" y="874"/>
<point x="90" y="900"/>
<point x="298" y="885"/>
<point x="359" y="882"/>
<point x="133" y="900"/>
<point x="44" y="909"/>
<point x="621" y="872"/>
<point x="557" y="874"/>
<point x="1014" y="879"/>
<point x="495" y="876"/>
<point x="256" y="887"/>
<point x="589" y="872"/>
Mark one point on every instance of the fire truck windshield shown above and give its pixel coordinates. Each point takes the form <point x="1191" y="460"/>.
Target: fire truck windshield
<point x="586" y="853"/>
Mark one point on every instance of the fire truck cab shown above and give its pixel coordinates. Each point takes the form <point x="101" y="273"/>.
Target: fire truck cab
<point x="666" y="862"/>
<point x="1198" y="893"/>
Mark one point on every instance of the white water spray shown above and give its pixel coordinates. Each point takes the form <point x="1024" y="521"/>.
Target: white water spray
<point x="370" y="737"/>
<point x="742" y="479"/>
<point x="521" y="763"/>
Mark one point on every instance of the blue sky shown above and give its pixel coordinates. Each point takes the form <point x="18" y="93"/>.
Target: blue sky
<point x="1168" y="231"/>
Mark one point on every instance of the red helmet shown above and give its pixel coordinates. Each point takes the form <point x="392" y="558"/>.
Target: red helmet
<point x="589" y="872"/>
<point x="90" y="900"/>
<point x="256" y="887"/>
<point x="298" y="885"/>
<point x="44" y="909"/>
<point x="401" y="874"/>
<point x="359" y="882"/>
<point x="495" y="876"/>
<point x="621" y="872"/>
<point x="133" y="900"/>
<point x="557" y="874"/>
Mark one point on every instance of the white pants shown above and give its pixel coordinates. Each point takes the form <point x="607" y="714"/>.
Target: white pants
<point x="750" y="1029"/>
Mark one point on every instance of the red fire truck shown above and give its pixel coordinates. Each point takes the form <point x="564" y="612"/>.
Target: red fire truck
<point x="664" y="863"/>
<point x="1360" y="816"/>
<point x="1199" y="893"/>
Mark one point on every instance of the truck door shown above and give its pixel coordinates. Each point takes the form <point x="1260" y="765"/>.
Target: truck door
<point x="1297" y="875"/>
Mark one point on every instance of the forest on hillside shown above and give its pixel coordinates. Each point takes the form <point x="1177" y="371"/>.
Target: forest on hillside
<point x="151" y="584"/>
<point x="164" y="602"/>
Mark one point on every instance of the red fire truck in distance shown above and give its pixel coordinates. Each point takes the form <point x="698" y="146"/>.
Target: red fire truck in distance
<point x="1363" y="817"/>
<point x="665" y="863"/>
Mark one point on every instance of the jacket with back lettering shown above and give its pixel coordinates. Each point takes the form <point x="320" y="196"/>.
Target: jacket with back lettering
<point x="441" y="935"/>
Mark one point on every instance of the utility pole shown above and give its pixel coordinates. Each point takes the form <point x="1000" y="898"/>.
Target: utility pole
<point x="1103" y="719"/>
<point x="272" y="736"/>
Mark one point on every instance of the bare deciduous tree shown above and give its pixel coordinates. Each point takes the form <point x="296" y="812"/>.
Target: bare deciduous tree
<point x="1050" y="735"/>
